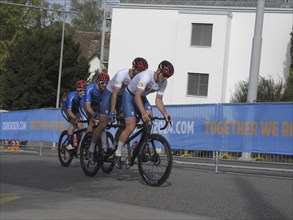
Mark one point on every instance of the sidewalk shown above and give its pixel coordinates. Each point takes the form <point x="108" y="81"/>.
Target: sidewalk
<point x="34" y="147"/>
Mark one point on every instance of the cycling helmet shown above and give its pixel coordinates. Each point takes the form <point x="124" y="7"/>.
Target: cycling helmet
<point x="166" y="68"/>
<point x="140" y="63"/>
<point x="103" y="76"/>
<point x="81" y="84"/>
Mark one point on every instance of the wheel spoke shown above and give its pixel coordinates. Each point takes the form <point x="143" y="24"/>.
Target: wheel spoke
<point x="64" y="157"/>
<point x="90" y="169"/>
<point x="155" y="160"/>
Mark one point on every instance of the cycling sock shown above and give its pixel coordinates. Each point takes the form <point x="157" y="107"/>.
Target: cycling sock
<point x="114" y="144"/>
<point x="70" y="138"/>
<point x="92" y="147"/>
<point x="104" y="140"/>
<point x="119" y="149"/>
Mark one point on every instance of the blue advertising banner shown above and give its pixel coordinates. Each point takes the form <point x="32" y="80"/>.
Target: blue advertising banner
<point x="263" y="128"/>
<point x="188" y="126"/>
<point x="34" y="125"/>
<point x="260" y="128"/>
<point x="254" y="128"/>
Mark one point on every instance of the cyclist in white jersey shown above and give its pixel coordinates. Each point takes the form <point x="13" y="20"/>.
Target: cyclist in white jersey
<point x="112" y="97"/>
<point x="134" y="101"/>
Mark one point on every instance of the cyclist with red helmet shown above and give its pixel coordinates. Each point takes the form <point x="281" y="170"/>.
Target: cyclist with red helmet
<point x="90" y="102"/>
<point x="135" y="101"/>
<point x="70" y="110"/>
<point x="112" y="96"/>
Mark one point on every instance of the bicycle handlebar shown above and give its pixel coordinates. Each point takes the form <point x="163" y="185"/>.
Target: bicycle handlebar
<point x="83" y="121"/>
<point x="141" y="124"/>
<point x="163" y="119"/>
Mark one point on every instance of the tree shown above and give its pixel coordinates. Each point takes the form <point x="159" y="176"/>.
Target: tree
<point x="288" y="93"/>
<point x="32" y="73"/>
<point x="12" y="20"/>
<point x="15" y="21"/>
<point x="268" y="91"/>
<point x="89" y="16"/>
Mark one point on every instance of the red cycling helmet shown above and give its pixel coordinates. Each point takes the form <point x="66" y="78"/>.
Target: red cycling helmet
<point x="103" y="76"/>
<point x="140" y="63"/>
<point x="81" y="84"/>
<point x="166" y="68"/>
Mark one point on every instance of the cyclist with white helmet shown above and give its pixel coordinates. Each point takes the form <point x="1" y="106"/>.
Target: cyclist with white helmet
<point x="70" y="110"/>
<point x="112" y="97"/>
<point x="135" y="102"/>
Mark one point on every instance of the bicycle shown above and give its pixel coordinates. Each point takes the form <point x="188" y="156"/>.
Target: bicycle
<point x="66" y="156"/>
<point x="153" y="153"/>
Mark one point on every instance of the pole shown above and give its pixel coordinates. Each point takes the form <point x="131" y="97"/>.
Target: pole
<point x="103" y="40"/>
<point x="61" y="59"/>
<point x="60" y="65"/>
<point x="255" y="60"/>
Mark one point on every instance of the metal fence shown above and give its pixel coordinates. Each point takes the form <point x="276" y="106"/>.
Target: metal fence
<point x="261" y="157"/>
<point x="272" y="158"/>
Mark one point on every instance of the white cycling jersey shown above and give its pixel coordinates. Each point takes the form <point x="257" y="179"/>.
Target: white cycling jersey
<point x="146" y="83"/>
<point x="120" y="80"/>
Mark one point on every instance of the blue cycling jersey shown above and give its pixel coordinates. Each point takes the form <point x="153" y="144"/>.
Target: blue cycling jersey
<point x="92" y="95"/>
<point x="73" y="101"/>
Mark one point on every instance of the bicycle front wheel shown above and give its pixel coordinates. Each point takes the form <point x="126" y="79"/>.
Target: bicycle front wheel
<point x="155" y="160"/>
<point x="64" y="156"/>
<point x="90" y="169"/>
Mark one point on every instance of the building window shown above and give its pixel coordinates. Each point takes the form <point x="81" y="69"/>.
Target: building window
<point x="201" y="34"/>
<point x="198" y="84"/>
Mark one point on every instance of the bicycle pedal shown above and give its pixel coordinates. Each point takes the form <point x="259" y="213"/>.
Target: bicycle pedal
<point x="71" y="152"/>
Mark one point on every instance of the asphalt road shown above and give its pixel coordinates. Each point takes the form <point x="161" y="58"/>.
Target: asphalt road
<point x="38" y="187"/>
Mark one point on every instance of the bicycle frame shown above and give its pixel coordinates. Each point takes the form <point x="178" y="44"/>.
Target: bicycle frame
<point x="141" y="128"/>
<point x="154" y="166"/>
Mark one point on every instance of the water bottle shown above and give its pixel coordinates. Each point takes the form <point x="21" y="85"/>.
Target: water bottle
<point x="75" y="142"/>
<point x="134" y="145"/>
<point x="134" y="148"/>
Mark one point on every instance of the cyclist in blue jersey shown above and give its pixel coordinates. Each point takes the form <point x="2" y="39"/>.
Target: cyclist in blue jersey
<point x="135" y="102"/>
<point x="90" y="102"/>
<point x="111" y="101"/>
<point x="70" y="110"/>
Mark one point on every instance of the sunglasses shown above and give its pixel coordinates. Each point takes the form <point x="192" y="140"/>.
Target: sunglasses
<point x="103" y="83"/>
<point x="139" y="69"/>
<point x="164" y="74"/>
<point x="80" y="90"/>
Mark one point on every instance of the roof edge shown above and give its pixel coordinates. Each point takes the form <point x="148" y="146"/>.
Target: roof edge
<point x="197" y="7"/>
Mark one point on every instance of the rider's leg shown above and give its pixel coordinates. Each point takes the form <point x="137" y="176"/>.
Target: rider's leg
<point x="104" y="140"/>
<point x="90" y="125"/>
<point x="90" y="129"/>
<point x="79" y="134"/>
<point x="70" y="137"/>
<point x="103" y="124"/>
<point x="130" y="126"/>
<point x="117" y="136"/>
<point x="97" y="132"/>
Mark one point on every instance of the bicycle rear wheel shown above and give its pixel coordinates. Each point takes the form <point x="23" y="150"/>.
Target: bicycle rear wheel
<point x="108" y="163"/>
<point x="155" y="160"/>
<point x="90" y="169"/>
<point x="64" y="156"/>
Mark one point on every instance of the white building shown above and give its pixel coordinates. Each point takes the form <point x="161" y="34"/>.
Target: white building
<point x="210" y="47"/>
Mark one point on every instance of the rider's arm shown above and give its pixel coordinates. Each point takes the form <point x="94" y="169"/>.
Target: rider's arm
<point x="161" y="107"/>
<point x="114" y="99"/>
<point x="139" y="104"/>
<point x="89" y="108"/>
<point x="70" y="113"/>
